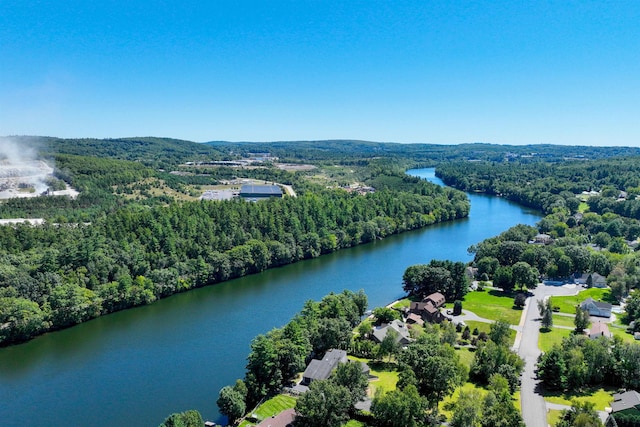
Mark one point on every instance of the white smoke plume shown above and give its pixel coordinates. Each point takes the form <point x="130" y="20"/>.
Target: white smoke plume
<point x="21" y="168"/>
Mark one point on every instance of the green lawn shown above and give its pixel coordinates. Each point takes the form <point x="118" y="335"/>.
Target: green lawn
<point x="386" y="373"/>
<point x="622" y="333"/>
<point x="492" y="305"/>
<point x="547" y="339"/>
<point x="405" y="302"/>
<point x="568" y="304"/>
<point x="354" y="423"/>
<point x="559" y="320"/>
<point x="553" y="416"/>
<point x="272" y="407"/>
<point x="601" y="397"/>
<point x="466" y="356"/>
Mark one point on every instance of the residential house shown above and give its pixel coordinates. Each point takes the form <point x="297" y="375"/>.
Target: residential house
<point x="542" y="239"/>
<point x="415" y="319"/>
<point x="403" y="337"/>
<point x="429" y="307"/>
<point x="627" y="402"/>
<point x="597" y="280"/>
<point x="283" y="419"/>
<point x="321" y="369"/>
<point x="596" y="308"/>
<point x="599" y="329"/>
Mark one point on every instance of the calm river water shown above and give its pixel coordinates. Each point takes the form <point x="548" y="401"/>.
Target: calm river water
<point x="135" y="367"/>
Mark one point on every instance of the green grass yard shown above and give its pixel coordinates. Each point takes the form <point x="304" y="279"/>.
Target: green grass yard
<point x="601" y="397"/>
<point x="492" y="305"/>
<point x="547" y="339"/>
<point x="386" y="373"/>
<point x="560" y="320"/>
<point x="271" y="407"/>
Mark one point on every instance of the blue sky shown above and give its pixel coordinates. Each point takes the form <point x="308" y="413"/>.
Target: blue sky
<point x="561" y="72"/>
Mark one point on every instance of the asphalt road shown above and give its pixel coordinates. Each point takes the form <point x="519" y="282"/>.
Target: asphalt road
<point x="534" y="409"/>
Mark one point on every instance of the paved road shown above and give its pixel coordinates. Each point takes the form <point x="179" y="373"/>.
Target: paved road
<point x="534" y="409"/>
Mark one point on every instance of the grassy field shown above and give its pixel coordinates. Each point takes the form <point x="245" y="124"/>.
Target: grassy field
<point x="568" y="304"/>
<point x="466" y="356"/>
<point x="492" y="305"/>
<point x="622" y="333"/>
<point x="386" y="373"/>
<point x="559" y="320"/>
<point x="601" y="397"/>
<point x="547" y="339"/>
<point x="553" y="416"/>
<point x="354" y="423"/>
<point x="272" y="407"/>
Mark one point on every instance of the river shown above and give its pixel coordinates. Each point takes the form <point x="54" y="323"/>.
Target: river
<point x="135" y="367"/>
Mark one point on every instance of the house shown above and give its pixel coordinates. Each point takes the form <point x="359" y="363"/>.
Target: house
<point x="415" y="319"/>
<point x="596" y="308"/>
<point x="429" y="307"/>
<point x="255" y="192"/>
<point x="403" y="337"/>
<point x="437" y="299"/>
<point x="542" y="239"/>
<point x="597" y="280"/>
<point x="321" y="369"/>
<point x="599" y="329"/>
<point x="627" y="402"/>
<point x="283" y="419"/>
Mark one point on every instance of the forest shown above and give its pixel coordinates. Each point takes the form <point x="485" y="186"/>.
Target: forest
<point x="104" y="252"/>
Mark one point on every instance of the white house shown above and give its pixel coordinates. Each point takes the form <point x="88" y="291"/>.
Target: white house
<point x="596" y="308"/>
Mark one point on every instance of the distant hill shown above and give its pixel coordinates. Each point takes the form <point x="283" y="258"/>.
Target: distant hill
<point x="151" y="151"/>
<point x="422" y="153"/>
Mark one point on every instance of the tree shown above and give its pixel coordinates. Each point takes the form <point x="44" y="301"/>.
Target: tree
<point x="457" y="307"/>
<point x="190" y="418"/>
<point x="399" y="408"/>
<point x="546" y="312"/>
<point x="467" y="410"/>
<point x="525" y="275"/>
<point x="385" y="315"/>
<point x="331" y="333"/>
<point x="581" y="414"/>
<point x="581" y="320"/>
<point x="552" y="369"/>
<point x="263" y="377"/>
<point x="390" y="344"/>
<point x="351" y="376"/>
<point x="498" y="409"/>
<point x="231" y="403"/>
<point x="499" y="332"/>
<point x="520" y="300"/>
<point x="503" y="278"/>
<point x="326" y="404"/>
<point x="436" y="368"/>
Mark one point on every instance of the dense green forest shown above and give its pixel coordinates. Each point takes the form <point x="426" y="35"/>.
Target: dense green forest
<point x="547" y="185"/>
<point x="106" y="250"/>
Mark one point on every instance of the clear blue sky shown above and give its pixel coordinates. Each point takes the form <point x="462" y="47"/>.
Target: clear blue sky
<point x="445" y="72"/>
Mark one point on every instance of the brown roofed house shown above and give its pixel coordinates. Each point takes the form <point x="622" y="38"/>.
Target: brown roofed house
<point x="599" y="329"/>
